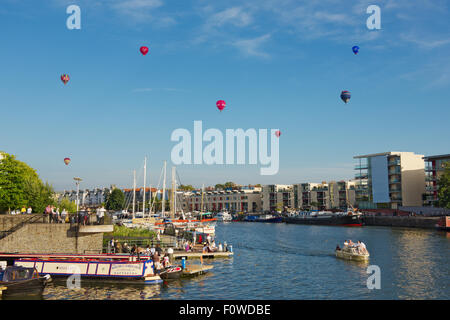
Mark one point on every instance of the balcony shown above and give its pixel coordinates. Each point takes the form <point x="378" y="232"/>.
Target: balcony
<point x="394" y="162"/>
<point x="361" y="176"/>
<point x="361" y="166"/>
<point x="393" y="181"/>
<point x="395" y="171"/>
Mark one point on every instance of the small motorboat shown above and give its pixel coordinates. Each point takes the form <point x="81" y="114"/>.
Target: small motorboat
<point x="352" y="253"/>
<point x="171" y="272"/>
<point x="23" y="281"/>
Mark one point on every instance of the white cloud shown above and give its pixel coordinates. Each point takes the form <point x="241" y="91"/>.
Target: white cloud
<point x="252" y="47"/>
<point x="235" y="16"/>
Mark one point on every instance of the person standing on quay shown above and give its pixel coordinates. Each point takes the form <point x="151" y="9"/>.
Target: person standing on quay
<point x="29" y="210"/>
<point x="23" y="210"/>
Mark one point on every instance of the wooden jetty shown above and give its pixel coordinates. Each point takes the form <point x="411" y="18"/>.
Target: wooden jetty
<point x="198" y="255"/>
<point x="196" y="269"/>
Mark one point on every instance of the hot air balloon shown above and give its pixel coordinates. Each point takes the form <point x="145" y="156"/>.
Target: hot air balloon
<point x="345" y="96"/>
<point x="65" y="78"/>
<point x="67" y="161"/>
<point x="355" y="49"/>
<point x="220" y="104"/>
<point x="144" y="50"/>
<point x="278" y="133"/>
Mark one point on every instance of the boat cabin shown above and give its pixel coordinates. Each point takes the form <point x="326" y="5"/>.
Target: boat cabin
<point x="15" y="273"/>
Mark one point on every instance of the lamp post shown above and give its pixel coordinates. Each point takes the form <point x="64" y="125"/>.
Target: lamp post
<point x="77" y="182"/>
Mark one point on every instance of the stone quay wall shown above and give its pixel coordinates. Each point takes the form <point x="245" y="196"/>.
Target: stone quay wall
<point x="46" y="238"/>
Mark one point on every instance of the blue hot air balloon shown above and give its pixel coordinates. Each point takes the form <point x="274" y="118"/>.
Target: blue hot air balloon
<point x="345" y="96"/>
<point x="355" y="49"/>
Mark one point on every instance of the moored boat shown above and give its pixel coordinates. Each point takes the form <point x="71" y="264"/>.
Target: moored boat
<point x="171" y="272"/>
<point x="347" y="219"/>
<point x="18" y="280"/>
<point x="263" y="218"/>
<point x="443" y="223"/>
<point x="103" y="266"/>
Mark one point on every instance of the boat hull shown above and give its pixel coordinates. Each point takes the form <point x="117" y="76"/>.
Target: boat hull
<point x="346" y="221"/>
<point x="351" y="256"/>
<point x="25" y="287"/>
<point x="172" y="272"/>
<point x="141" y="271"/>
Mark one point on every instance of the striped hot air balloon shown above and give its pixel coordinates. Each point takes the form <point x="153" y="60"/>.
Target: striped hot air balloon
<point x="67" y="161"/>
<point x="345" y="96"/>
<point x="65" y="78"/>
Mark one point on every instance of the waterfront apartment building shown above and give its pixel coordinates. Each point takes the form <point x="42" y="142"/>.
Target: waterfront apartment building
<point x="434" y="167"/>
<point x="324" y="196"/>
<point x="214" y="201"/>
<point x="389" y="180"/>
<point x="277" y="197"/>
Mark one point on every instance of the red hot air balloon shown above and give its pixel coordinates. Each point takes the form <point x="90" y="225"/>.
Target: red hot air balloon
<point x="220" y="104"/>
<point x="144" y="50"/>
<point x="67" y="161"/>
<point x="278" y="133"/>
<point x="65" y="78"/>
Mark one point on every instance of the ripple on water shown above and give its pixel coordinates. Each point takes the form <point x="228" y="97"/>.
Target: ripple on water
<point x="279" y="261"/>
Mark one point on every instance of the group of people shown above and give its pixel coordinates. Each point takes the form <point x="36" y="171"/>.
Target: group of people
<point x="24" y="210"/>
<point x="360" y="247"/>
<point x="53" y="215"/>
<point x="160" y="258"/>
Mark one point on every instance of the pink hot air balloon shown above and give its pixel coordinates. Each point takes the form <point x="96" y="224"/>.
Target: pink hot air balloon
<point x="278" y="133"/>
<point x="220" y="105"/>
<point x="144" y="50"/>
<point x="67" y="161"/>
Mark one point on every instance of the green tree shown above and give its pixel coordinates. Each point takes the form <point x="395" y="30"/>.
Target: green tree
<point x="186" y="188"/>
<point x="20" y="186"/>
<point x="219" y="186"/>
<point x="70" y="206"/>
<point x="229" y="185"/>
<point x="444" y="187"/>
<point x="115" y="200"/>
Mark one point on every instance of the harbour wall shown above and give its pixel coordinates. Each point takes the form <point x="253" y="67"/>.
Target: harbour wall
<point x="46" y="238"/>
<point x="398" y="221"/>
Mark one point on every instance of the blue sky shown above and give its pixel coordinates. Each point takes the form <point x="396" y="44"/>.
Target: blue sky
<point x="278" y="64"/>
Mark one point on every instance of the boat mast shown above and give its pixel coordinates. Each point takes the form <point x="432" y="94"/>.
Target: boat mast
<point x="172" y="211"/>
<point x="164" y="191"/>
<point x="145" y="176"/>
<point x="201" y="206"/>
<point x="134" y="193"/>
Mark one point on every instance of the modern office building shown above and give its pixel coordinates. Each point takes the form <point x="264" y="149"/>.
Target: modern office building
<point x="389" y="180"/>
<point x="434" y="167"/>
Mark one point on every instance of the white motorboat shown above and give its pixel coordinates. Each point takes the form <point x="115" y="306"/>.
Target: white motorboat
<point x="352" y="253"/>
<point x="224" y="216"/>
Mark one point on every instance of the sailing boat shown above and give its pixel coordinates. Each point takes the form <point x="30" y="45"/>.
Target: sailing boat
<point x="203" y="227"/>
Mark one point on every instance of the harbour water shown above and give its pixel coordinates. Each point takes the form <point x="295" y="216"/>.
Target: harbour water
<point x="282" y="261"/>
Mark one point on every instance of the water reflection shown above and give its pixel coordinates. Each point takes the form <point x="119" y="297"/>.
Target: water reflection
<point x="279" y="261"/>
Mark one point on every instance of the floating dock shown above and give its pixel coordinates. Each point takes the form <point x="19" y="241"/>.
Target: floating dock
<point x="196" y="269"/>
<point x="198" y="255"/>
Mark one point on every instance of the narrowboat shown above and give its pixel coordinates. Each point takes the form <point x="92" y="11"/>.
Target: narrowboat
<point x="96" y="267"/>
